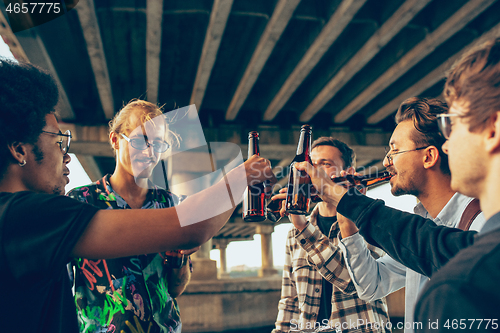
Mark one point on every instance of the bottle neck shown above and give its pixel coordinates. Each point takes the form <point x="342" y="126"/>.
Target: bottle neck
<point x="304" y="145"/>
<point x="366" y="180"/>
<point x="253" y="146"/>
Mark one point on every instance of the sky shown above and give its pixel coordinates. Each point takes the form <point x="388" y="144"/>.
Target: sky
<point x="243" y="252"/>
<point x="4" y="50"/>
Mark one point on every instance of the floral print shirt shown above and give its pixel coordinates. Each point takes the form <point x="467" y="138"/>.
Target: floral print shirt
<point x="124" y="294"/>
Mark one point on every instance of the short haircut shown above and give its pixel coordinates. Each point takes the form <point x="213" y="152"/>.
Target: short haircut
<point x="27" y="94"/>
<point x="422" y="112"/>
<point x="475" y="81"/>
<point x="121" y="121"/>
<point x="147" y="111"/>
<point x="348" y="155"/>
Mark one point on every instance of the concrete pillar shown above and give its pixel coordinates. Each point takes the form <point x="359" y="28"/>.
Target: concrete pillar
<point x="222" y="244"/>
<point x="204" y="268"/>
<point x="265" y="231"/>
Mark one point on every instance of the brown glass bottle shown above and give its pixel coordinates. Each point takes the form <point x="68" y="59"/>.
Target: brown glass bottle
<point x="254" y="202"/>
<point x="273" y="209"/>
<point x="367" y="181"/>
<point x="298" y="196"/>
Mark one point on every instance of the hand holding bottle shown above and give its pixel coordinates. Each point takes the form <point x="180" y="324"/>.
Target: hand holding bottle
<point x="254" y="200"/>
<point x="258" y="170"/>
<point x="327" y="190"/>
<point x="298" y="196"/>
<point x="276" y="209"/>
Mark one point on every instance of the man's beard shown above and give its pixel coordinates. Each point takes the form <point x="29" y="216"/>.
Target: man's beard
<point x="58" y="190"/>
<point x="398" y="191"/>
<point x="409" y="188"/>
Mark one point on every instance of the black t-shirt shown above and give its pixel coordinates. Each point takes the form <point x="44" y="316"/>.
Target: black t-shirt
<point x="325" y="307"/>
<point x="37" y="234"/>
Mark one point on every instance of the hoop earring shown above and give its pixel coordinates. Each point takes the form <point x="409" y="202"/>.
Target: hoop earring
<point x="23" y="163"/>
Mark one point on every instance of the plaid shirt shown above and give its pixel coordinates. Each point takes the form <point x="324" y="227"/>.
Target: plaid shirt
<point x="310" y="257"/>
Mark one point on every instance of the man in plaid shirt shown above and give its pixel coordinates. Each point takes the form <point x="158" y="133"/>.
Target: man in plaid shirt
<point x="317" y="289"/>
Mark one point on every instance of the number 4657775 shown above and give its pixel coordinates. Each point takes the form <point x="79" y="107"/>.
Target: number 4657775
<point x="34" y="8"/>
<point x="471" y="324"/>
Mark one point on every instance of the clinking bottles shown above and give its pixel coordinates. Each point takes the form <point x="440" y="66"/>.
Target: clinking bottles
<point x="298" y="196"/>
<point x="273" y="208"/>
<point x="254" y="202"/>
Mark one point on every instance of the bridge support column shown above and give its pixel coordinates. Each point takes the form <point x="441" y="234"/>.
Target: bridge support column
<point x="266" y="242"/>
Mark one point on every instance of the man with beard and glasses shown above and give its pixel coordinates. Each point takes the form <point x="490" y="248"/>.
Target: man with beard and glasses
<point x="420" y="168"/>
<point x="147" y="284"/>
<point x="41" y="230"/>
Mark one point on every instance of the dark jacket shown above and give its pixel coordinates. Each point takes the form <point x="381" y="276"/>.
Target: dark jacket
<point x="465" y="267"/>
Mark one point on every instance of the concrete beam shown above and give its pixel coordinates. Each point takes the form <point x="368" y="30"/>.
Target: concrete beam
<point x="452" y="25"/>
<point x="281" y="169"/>
<point x="11" y="40"/>
<point x="92" y="148"/>
<point x="280" y="184"/>
<point x="279" y="20"/>
<point x="405" y="13"/>
<point x="92" y="34"/>
<point x="40" y="57"/>
<point x="154" y="13"/>
<point x="213" y="37"/>
<point x="331" y="31"/>
<point x="430" y="79"/>
<point x="236" y="230"/>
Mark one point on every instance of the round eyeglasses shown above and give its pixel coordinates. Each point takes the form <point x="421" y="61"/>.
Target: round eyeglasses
<point x="389" y="155"/>
<point x="65" y="140"/>
<point x="159" y="146"/>
<point x="445" y="124"/>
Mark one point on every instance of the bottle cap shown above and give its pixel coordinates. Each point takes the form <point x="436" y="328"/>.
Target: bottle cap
<point x="305" y="127"/>
<point x="253" y="134"/>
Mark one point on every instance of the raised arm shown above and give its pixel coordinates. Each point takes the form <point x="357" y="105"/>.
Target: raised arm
<point x="120" y="233"/>
<point x="415" y="242"/>
<point x="372" y="278"/>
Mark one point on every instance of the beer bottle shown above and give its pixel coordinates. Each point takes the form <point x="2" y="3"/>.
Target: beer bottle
<point x="254" y="202"/>
<point x="298" y="195"/>
<point x="363" y="181"/>
<point x="360" y="182"/>
<point x="273" y="210"/>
